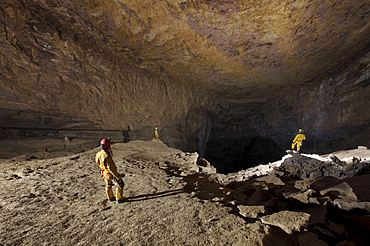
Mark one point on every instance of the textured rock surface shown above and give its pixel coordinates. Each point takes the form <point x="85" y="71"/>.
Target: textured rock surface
<point x="287" y="220"/>
<point x="260" y="68"/>
<point x="251" y="211"/>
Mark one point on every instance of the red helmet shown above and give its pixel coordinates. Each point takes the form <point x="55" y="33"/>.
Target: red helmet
<point x="105" y="143"/>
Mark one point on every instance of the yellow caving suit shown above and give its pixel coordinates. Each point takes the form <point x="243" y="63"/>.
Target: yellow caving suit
<point x="297" y="141"/>
<point x="110" y="174"/>
<point x="156" y="134"/>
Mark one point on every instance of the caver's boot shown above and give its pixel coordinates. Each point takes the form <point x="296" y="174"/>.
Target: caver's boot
<point x="112" y="199"/>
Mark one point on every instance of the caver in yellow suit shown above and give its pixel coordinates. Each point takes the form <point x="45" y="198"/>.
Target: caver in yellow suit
<point x="156" y="134"/>
<point x="297" y="141"/>
<point x="109" y="172"/>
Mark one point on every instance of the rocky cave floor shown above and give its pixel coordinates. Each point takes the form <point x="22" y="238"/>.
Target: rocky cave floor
<point x="55" y="196"/>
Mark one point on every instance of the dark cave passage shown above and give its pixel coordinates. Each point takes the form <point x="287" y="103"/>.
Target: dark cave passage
<point x="232" y="152"/>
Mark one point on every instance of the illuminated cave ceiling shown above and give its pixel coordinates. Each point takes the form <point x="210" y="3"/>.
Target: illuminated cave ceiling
<point x="235" y="47"/>
<point x="278" y="64"/>
<point x="238" y="46"/>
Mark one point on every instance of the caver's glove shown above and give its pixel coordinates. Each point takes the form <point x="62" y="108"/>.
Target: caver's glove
<point x="120" y="175"/>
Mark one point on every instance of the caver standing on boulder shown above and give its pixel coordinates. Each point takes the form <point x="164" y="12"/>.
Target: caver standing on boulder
<point x="297" y="141"/>
<point x="109" y="172"/>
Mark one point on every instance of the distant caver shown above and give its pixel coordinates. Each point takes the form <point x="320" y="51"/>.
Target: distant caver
<point x="297" y="141"/>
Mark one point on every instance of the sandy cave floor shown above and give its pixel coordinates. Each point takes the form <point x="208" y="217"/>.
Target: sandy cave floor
<point x="52" y="194"/>
<point x="61" y="201"/>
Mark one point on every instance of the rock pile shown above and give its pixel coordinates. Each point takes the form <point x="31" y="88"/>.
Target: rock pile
<point x="324" y="200"/>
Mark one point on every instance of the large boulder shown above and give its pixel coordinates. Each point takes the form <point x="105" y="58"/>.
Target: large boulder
<point x="334" y="187"/>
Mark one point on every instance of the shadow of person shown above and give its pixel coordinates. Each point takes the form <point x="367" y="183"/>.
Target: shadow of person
<point x="196" y="184"/>
<point x="154" y="195"/>
<point x="199" y="185"/>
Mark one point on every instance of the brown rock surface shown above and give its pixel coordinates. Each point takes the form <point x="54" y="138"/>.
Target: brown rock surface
<point x="251" y="211"/>
<point x="309" y="239"/>
<point x="334" y="187"/>
<point x="288" y="221"/>
<point x="263" y="68"/>
<point x="360" y="186"/>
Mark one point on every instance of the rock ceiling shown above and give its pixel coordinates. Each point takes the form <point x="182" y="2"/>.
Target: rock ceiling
<point x="117" y="63"/>
<point x="240" y="47"/>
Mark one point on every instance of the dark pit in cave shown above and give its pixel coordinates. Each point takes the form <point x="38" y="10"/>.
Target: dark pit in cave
<point x="232" y="152"/>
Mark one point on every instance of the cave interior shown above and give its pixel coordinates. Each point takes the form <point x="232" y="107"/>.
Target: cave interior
<point x="232" y="80"/>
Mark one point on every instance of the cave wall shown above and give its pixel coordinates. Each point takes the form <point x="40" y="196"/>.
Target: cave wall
<point x="195" y="69"/>
<point x="57" y="72"/>
<point x="333" y="112"/>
